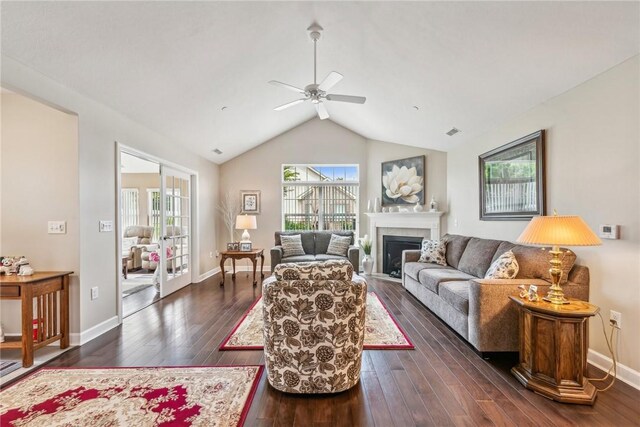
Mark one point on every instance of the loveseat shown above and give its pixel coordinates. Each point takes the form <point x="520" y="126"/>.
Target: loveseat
<point x="315" y="245"/>
<point x="476" y="308"/>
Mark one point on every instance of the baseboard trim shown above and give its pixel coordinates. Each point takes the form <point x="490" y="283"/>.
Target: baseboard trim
<point x="208" y="274"/>
<point x="624" y="373"/>
<point x="93" y="332"/>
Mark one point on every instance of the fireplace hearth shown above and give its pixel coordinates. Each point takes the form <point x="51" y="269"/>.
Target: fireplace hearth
<point x="392" y="247"/>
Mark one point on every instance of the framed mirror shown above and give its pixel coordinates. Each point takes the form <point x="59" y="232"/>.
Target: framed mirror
<point x="512" y="180"/>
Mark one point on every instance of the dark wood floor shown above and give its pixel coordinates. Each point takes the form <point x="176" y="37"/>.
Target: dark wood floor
<point x="443" y="382"/>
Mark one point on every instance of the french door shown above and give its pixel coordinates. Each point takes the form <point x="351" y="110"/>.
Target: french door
<point x="175" y="242"/>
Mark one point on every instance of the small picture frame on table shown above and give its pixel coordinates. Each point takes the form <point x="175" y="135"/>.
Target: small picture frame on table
<point x="245" y="246"/>
<point x="230" y="246"/>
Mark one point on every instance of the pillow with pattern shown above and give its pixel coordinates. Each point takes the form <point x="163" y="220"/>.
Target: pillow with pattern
<point x="291" y="245"/>
<point x="339" y="245"/>
<point x="505" y="267"/>
<point x="433" y="251"/>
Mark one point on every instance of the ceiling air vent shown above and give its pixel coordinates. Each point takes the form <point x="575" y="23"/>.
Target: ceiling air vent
<point x="217" y="151"/>
<point x="453" y="131"/>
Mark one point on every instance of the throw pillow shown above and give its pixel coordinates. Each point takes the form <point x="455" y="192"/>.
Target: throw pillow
<point x="127" y="244"/>
<point x="292" y="245"/>
<point x="433" y="251"/>
<point x="339" y="245"/>
<point x="505" y="267"/>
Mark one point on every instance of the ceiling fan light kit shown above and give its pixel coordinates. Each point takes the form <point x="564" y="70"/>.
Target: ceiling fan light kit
<point x="314" y="92"/>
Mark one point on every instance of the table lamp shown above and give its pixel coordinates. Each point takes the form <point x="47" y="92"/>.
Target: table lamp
<point x="555" y="231"/>
<point x="246" y="222"/>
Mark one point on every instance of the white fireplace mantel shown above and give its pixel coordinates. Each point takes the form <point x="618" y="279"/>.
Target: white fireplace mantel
<point x="416" y="220"/>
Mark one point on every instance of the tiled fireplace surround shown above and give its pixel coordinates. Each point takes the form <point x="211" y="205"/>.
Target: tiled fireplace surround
<point x="414" y="224"/>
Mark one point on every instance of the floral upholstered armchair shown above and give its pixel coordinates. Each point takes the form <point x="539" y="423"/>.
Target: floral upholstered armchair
<point x="314" y="316"/>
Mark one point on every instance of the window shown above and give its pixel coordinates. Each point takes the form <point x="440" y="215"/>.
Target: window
<point x="320" y="197"/>
<point x="153" y="195"/>
<point x="129" y="206"/>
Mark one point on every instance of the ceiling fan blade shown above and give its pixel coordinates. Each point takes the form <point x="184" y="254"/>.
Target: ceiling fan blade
<point x="329" y="81"/>
<point x="290" y="104"/>
<point x="322" y="111"/>
<point x="346" y="98"/>
<point x="286" y="86"/>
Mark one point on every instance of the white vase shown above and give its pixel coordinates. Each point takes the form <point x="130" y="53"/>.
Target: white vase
<point x="369" y="206"/>
<point x="376" y="205"/>
<point x="367" y="264"/>
<point x="417" y="207"/>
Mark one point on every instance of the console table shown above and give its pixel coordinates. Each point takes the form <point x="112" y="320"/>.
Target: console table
<point x="50" y="290"/>
<point x="253" y="255"/>
<point x="553" y="349"/>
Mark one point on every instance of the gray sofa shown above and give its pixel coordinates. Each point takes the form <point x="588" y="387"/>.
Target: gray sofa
<point x="479" y="309"/>
<point x="315" y="245"/>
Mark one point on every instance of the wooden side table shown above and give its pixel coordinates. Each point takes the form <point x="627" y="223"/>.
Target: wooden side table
<point x="52" y="313"/>
<point x="253" y="255"/>
<point x="553" y="349"/>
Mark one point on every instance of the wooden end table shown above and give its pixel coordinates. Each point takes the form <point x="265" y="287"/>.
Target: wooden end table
<point x="554" y="340"/>
<point x="52" y="313"/>
<point x="253" y="255"/>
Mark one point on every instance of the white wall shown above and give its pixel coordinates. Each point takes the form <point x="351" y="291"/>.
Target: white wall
<point x="141" y="182"/>
<point x="99" y="128"/>
<point x="316" y="142"/>
<point x="592" y="144"/>
<point x="39" y="183"/>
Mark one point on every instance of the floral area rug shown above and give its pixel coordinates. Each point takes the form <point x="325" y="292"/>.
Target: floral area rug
<point x="382" y="332"/>
<point x="184" y="396"/>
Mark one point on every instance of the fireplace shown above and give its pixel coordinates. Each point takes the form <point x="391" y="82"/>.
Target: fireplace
<point x="392" y="247"/>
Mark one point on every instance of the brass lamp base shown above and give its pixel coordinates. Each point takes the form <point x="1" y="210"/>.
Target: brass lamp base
<point x="555" y="294"/>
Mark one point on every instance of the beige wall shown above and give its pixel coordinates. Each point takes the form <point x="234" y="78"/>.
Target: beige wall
<point x="39" y="170"/>
<point x="141" y="181"/>
<point x="99" y="128"/>
<point x="593" y="142"/>
<point x="316" y="142"/>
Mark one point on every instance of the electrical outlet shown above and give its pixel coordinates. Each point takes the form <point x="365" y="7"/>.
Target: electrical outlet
<point x="211" y="254"/>
<point x="57" y="227"/>
<point x="455" y="222"/>
<point x="94" y="293"/>
<point x="217" y="254"/>
<point x="615" y="318"/>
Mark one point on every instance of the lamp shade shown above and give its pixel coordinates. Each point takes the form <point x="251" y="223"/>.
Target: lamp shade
<point x="246" y="222"/>
<point x="558" y="230"/>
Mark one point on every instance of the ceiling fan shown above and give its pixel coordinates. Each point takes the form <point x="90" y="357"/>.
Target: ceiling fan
<point x="317" y="93"/>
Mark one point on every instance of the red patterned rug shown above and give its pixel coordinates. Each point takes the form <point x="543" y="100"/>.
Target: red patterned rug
<point x="176" y="396"/>
<point x="382" y="332"/>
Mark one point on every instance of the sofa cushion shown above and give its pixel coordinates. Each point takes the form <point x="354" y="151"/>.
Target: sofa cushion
<point x="456" y="293"/>
<point x="292" y="246"/>
<point x="412" y="269"/>
<point x="455" y="248"/>
<point x="477" y="256"/>
<point x="433" y="251"/>
<point x="338" y="245"/>
<point x="325" y="257"/>
<point x="432" y="277"/>
<point x="504" y="267"/>
<point x="502" y="248"/>
<point x="322" y="239"/>
<point x="299" y="258"/>
<point x="307" y="238"/>
<point x="534" y="263"/>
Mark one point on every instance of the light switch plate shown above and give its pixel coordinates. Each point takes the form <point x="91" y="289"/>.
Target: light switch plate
<point x="57" y="227"/>
<point x="106" y="226"/>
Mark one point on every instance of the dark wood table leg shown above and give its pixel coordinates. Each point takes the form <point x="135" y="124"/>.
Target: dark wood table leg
<point x="125" y="269"/>
<point x="233" y="261"/>
<point x="64" y="312"/>
<point x="27" y="326"/>
<point x="262" y="265"/>
<point x="222" y="260"/>
<point x="254" y="260"/>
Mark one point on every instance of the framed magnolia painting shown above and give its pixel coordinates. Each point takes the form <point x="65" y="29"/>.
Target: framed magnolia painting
<point x="403" y="181"/>
<point x="250" y="202"/>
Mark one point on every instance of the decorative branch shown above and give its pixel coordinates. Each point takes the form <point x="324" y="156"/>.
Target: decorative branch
<point x="229" y="208"/>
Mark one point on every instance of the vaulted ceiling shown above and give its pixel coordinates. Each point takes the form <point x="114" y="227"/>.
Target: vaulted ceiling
<point x="172" y="66"/>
